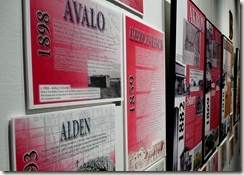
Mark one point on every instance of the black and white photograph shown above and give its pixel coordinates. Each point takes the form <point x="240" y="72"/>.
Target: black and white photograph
<point x="191" y="44"/>
<point x="181" y="88"/>
<point x="185" y="160"/>
<point x="209" y="42"/>
<point x="216" y="55"/>
<point x="196" y="80"/>
<point x="208" y="77"/>
<point x="209" y="143"/>
<point x="199" y="106"/>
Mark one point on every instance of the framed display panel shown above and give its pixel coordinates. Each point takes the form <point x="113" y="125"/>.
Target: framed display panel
<point x="236" y="132"/>
<point x="226" y="89"/>
<point x="223" y="151"/>
<point x="144" y="95"/>
<point x="212" y="82"/>
<point x="231" y="148"/>
<point x="213" y="162"/>
<point x="135" y="5"/>
<point x="73" y="53"/>
<point x="189" y="87"/>
<point x="72" y="140"/>
<point x="237" y="86"/>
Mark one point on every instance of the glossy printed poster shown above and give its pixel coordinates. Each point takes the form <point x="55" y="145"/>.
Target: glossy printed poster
<point x="227" y="90"/>
<point x="213" y="62"/>
<point x="145" y="95"/>
<point x="73" y="52"/>
<point x="72" y="140"/>
<point x="133" y="4"/>
<point x="189" y="73"/>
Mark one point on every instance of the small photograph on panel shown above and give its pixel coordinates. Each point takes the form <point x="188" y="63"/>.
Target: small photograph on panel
<point x="223" y="79"/>
<point x="209" y="142"/>
<point x="103" y="163"/>
<point x="216" y="55"/>
<point x="191" y="50"/>
<point x="209" y="42"/>
<point x="110" y="86"/>
<point x="145" y="155"/>
<point x="208" y="76"/>
<point x="216" y="135"/>
<point x="199" y="106"/>
<point x="185" y="160"/>
<point x="223" y="130"/>
<point x="227" y="124"/>
<point x="196" y="80"/>
<point x="197" y="160"/>
<point x="218" y="83"/>
<point x="181" y="88"/>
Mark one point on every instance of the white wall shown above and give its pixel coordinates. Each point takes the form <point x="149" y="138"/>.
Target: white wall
<point x="12" y="101"/>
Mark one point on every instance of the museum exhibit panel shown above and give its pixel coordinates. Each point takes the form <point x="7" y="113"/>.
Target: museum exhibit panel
<point x="120" y="85"/>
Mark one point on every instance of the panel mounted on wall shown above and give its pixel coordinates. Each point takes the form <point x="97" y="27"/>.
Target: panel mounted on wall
<point x="227" y="90"/>
<point x="189" y="86"/>
<point x="212" y="82"/>
<point x="237" y="86"/>
<point x="72" y="140"/>
<point x="73" y="51"/>
<point x="144" y="95"/>
<point x="223" y="151"/>
<point x="135" y="5"/>
<point x="236" y="132"/>
<point x="213" y="162"/>
<point x="231" y="148"/>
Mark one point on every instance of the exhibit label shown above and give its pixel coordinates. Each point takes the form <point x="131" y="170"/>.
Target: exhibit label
<point x="145" y="95"/>
<point x="72" y="140"/>
<point x="73" y="52"/>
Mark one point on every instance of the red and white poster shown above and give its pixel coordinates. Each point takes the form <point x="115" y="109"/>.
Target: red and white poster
<point x="72" y="140"/>
<point x="145" y="94"/>
<point x="189" y="72"/>
<point x="73" y="53"/>
<point x="227" y="91"/>
<point x="213" y="63"/>
<point x="133" y="4"/>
